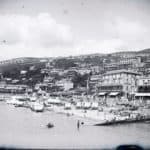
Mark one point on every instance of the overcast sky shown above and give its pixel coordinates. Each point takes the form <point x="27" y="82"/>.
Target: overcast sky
<point x="72" y="27"/>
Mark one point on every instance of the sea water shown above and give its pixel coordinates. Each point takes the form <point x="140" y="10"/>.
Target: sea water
<point x="22" y="128"/>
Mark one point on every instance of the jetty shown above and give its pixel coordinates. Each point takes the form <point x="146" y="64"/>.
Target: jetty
<point x="126" y="121"/>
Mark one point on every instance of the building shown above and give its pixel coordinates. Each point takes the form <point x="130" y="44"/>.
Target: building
<point x="83" y="71"/>
<point x="55" y="71"/>
<point x="119" y="83"/>
<point x="11" y="88"/>
<point x="143" y="90"/>
<point x="65" y="84"/>
<point x="71" y="72"/>
<point x="131" y="60"/>
<point x="124" y="54"/>
<point x="111" y="66"/>
<point x="96" y="69"/>
<point x="1" y="76"/>
<point x="94" y="79"/>
<point x="124" y="63"/>
<point x="48" y="79"/>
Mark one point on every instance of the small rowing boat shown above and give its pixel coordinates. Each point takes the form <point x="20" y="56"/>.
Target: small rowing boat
<point x="50" y="125"/>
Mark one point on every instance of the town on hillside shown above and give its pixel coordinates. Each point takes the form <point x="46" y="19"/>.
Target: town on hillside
<point x="116" y="85"/>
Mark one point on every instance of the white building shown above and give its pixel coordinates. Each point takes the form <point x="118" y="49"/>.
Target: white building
<point x="65" y="84"/>
<point x="121" y="81"/>
<point x="142" y="96"/>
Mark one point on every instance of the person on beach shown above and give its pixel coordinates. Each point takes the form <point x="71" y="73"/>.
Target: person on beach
<point x="78" y="125"/>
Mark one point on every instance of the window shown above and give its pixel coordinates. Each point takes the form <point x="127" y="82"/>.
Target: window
<point x="117" y="76"/>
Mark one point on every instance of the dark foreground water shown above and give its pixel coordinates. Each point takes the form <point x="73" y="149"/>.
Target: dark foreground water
<point x="19" y="127"/>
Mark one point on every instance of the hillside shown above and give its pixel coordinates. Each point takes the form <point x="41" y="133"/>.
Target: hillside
<point x="94" y="59"/>
<point x="145" y="51"/>
<point x="21" y="63"/>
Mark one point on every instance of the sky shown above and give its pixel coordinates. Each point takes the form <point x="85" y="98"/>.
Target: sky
<point x="51" y="28"/>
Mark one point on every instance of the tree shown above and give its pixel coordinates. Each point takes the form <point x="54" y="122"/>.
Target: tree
<point x="80" y="80"/>
<point x="64" y="63"/>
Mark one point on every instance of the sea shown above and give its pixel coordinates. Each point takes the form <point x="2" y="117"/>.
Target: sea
<point x="22" y="128"/>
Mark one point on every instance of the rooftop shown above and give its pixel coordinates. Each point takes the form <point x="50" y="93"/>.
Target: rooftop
<point x="109" y="84"/>
<point x="122" y="71"/>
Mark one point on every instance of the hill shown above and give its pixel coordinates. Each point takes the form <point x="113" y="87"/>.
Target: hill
<point x="145" y="51"/>
<point x="24" y="63"/>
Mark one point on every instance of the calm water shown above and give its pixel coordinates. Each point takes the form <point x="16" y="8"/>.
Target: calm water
<point x="19" y="127"/>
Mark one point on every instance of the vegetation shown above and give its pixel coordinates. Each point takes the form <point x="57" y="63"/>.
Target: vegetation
<point x="64" y="63"/>
<point x="80" y="80"/>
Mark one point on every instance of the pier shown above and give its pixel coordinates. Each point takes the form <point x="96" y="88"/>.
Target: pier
<point x="127" y="121"/>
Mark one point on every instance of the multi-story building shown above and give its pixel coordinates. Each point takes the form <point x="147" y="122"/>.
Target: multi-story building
<point x="143" y="84"/>
<point x="123" y="82"/>
<point x="111" y="66"/>
<point x="144" y="81"/>
<point x="94" y="79"/>
<point x="95" y="69"/>
<point x="131" y="60"/>
<point x="143" y="90"/>
<point x="124" y="63"/>
<point x="124" y="54"/>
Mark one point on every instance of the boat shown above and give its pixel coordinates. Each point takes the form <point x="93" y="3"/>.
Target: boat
<point x="47" y="104"/>
<point x="50" y="125"/>
<point x="133" y="108"/>
<point x="19" y="103"/>
<point x="10" y="102"/>
<point x="100" y="109"/>
<point x="2" y="98"/>
<point x="54" y="101"/>
<point x="33" y="99"/>
<point x="94" y="105"/>
<point x="67" y="106"/>
<point x="14" y="101"/>
<point x="147" y="121"/>
<point x="79" y="105"/>
<point x="37" y="107"/>
<point x="87" y="105"/>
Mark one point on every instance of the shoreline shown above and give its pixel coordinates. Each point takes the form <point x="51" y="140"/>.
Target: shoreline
<point x="99" y="119"/>
<point x="107" y="116"/>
